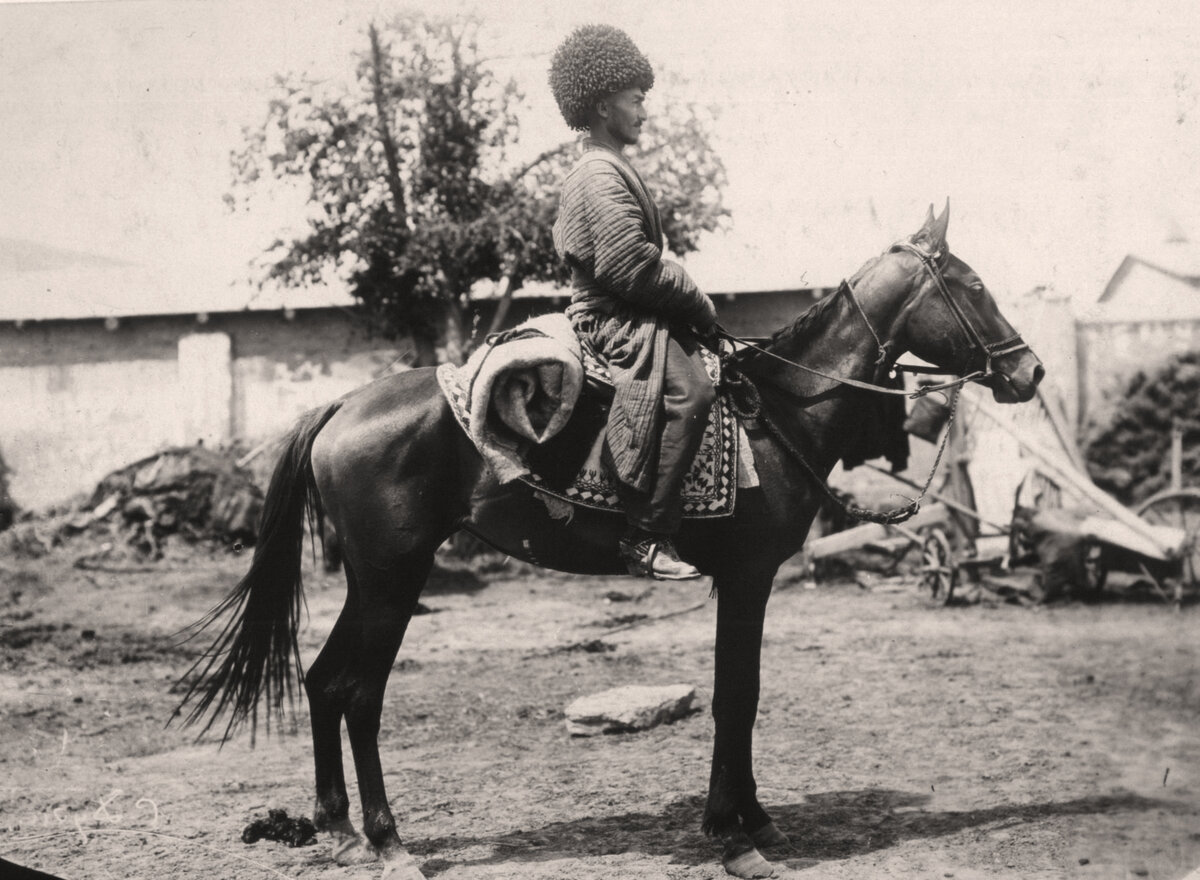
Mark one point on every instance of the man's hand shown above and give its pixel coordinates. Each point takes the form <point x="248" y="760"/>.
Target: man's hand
<point x="710" y="336"/>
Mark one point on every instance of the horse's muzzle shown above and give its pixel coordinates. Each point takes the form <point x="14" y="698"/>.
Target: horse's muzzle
<point x="1015" y="377"/>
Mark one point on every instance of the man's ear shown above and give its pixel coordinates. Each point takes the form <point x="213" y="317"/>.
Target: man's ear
<point x="602" y="108"/>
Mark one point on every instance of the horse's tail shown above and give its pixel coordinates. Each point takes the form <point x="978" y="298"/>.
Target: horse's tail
<point x="256" y="650"/>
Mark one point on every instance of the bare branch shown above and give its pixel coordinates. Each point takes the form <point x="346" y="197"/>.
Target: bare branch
<point x="390" y="153"/>
<point x="547" y="155"/>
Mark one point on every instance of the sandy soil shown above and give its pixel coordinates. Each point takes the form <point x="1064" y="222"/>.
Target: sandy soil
<point x="896" y="738"/>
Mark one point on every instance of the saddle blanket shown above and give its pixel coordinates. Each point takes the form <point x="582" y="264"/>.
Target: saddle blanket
<point x="519" y="390"/>
<point x="723" y="464"/>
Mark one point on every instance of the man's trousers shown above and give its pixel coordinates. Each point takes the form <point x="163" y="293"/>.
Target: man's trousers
<point x="688" y="397"/>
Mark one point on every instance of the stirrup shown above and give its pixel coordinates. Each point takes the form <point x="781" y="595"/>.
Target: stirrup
<point x="655" y="557"/>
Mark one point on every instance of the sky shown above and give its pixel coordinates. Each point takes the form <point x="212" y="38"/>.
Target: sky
<point x="1065" y="135"/>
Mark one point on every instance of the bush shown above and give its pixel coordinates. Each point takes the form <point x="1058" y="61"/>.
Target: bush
<point x="1130" y="456"/>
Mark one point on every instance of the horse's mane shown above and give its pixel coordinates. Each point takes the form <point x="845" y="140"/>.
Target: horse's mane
<point x="815" y="315"/>
<point x="803" y="325"/>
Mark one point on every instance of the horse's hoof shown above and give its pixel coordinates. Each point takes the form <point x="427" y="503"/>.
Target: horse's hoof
<point x="769" y="836"/>
<point x="351" y="849"/>
<point x="399" y="865"/>
<point x="749" y="865"/>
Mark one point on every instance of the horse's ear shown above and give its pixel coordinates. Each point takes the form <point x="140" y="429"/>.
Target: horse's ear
<point x="926" y="227"/>
<point x="925" y="233"/>
<point x="937" y="234"/>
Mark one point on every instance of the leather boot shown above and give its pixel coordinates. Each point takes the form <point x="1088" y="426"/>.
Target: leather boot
<point x="649" y="555"/>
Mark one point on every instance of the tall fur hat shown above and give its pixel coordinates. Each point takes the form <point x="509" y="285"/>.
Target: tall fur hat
<point x="595" y="61"/>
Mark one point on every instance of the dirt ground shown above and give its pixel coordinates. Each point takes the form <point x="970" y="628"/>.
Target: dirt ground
<point x="897" y="738"/>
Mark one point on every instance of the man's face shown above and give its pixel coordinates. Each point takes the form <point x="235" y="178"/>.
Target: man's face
<point x="623" y="114"/>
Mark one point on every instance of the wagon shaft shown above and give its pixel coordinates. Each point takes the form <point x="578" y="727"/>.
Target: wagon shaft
<point x="859" y="536"/>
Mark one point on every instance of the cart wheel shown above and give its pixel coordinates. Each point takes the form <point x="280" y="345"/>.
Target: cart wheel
<point x="1180" y="509"/>
<point x="937" y="565"/>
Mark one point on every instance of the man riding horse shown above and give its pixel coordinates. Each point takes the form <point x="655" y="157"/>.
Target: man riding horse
<point x="638" y="312"/>
<point x="391" y="468"/>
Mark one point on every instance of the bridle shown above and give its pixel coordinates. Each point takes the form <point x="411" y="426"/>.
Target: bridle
<point x="987" y="351"/>
<point x="751" y="408"/>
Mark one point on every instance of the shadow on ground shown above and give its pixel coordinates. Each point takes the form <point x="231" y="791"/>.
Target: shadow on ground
<point x="831" y="825"/>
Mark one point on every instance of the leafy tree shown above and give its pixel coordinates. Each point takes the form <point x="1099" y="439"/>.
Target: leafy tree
<point x="414" y="184"/>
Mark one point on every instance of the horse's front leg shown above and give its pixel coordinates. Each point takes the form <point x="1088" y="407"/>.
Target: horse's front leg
<point x="733" y="812"/>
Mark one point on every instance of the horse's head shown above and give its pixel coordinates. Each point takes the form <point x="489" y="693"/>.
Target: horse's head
<point x="952" y="321"/>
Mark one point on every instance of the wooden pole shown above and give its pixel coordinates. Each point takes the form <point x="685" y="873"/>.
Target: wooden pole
<point x="1160" y="539"/>
<point x="1176" y="454"/>
<point x="1059" y="424"/>
<point x="938" y="496"/>
<point x="503" y="301"/>
<point x="851" y="539"/>
<point x="256" y="452"/>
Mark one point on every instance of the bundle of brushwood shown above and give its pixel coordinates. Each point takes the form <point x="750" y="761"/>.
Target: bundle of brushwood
<point x="194" y="492"/>
<point x="1129" y="455"/>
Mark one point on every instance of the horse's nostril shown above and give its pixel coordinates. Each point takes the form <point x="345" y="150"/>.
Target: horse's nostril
<point x="1039" y="373"/>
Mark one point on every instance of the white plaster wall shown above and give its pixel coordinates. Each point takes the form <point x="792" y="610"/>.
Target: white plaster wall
<point x="67" y="425"/>
<point x="270" y="394"/>
<point x="1046" y="320"/>
<point x="205" y="388"/>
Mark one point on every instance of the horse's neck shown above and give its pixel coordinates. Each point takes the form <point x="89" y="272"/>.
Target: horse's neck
<point x="838" y="340"/>
<point x="840" y="337"/>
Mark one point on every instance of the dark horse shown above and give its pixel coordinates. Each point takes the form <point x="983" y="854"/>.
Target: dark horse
<point x="395" y="474"/>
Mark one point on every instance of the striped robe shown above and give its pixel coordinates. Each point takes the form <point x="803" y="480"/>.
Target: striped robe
<point x="625" y="298"/>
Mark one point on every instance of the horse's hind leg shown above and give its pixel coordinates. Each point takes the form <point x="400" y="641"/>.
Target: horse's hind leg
<point x="328" y="688"/>
<point x="385" y="597"/>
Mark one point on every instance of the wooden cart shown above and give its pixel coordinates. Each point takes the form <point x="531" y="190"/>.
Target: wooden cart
<point x="1162" y="534"/>
<point x="1164" y="531"/>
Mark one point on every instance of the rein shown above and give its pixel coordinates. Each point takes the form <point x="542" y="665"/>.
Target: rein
<point x="740" y="383"/>
<point x="858" y="383"/>
<point x="989" y="350"/>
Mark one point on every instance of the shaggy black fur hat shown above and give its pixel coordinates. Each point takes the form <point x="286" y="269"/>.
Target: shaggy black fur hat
<point x="593" y="62"/>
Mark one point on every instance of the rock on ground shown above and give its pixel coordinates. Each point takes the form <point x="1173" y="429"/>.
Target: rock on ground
<point x="628" y="708"/>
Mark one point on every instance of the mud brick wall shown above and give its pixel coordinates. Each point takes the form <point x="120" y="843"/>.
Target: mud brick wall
<point x="81" y="399"/>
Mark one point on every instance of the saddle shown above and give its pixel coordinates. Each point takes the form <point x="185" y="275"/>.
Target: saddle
<point x="568" y="467"/>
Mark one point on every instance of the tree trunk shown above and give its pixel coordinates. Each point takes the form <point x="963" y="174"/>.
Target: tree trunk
<point x="454" y="336"/>
<point x="390" y="153"/>
<point x="426" y="351"/>
<point x="502" y="305"/>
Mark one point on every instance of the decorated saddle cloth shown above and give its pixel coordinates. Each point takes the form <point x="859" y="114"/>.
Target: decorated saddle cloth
<point x="555" y="445"/>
